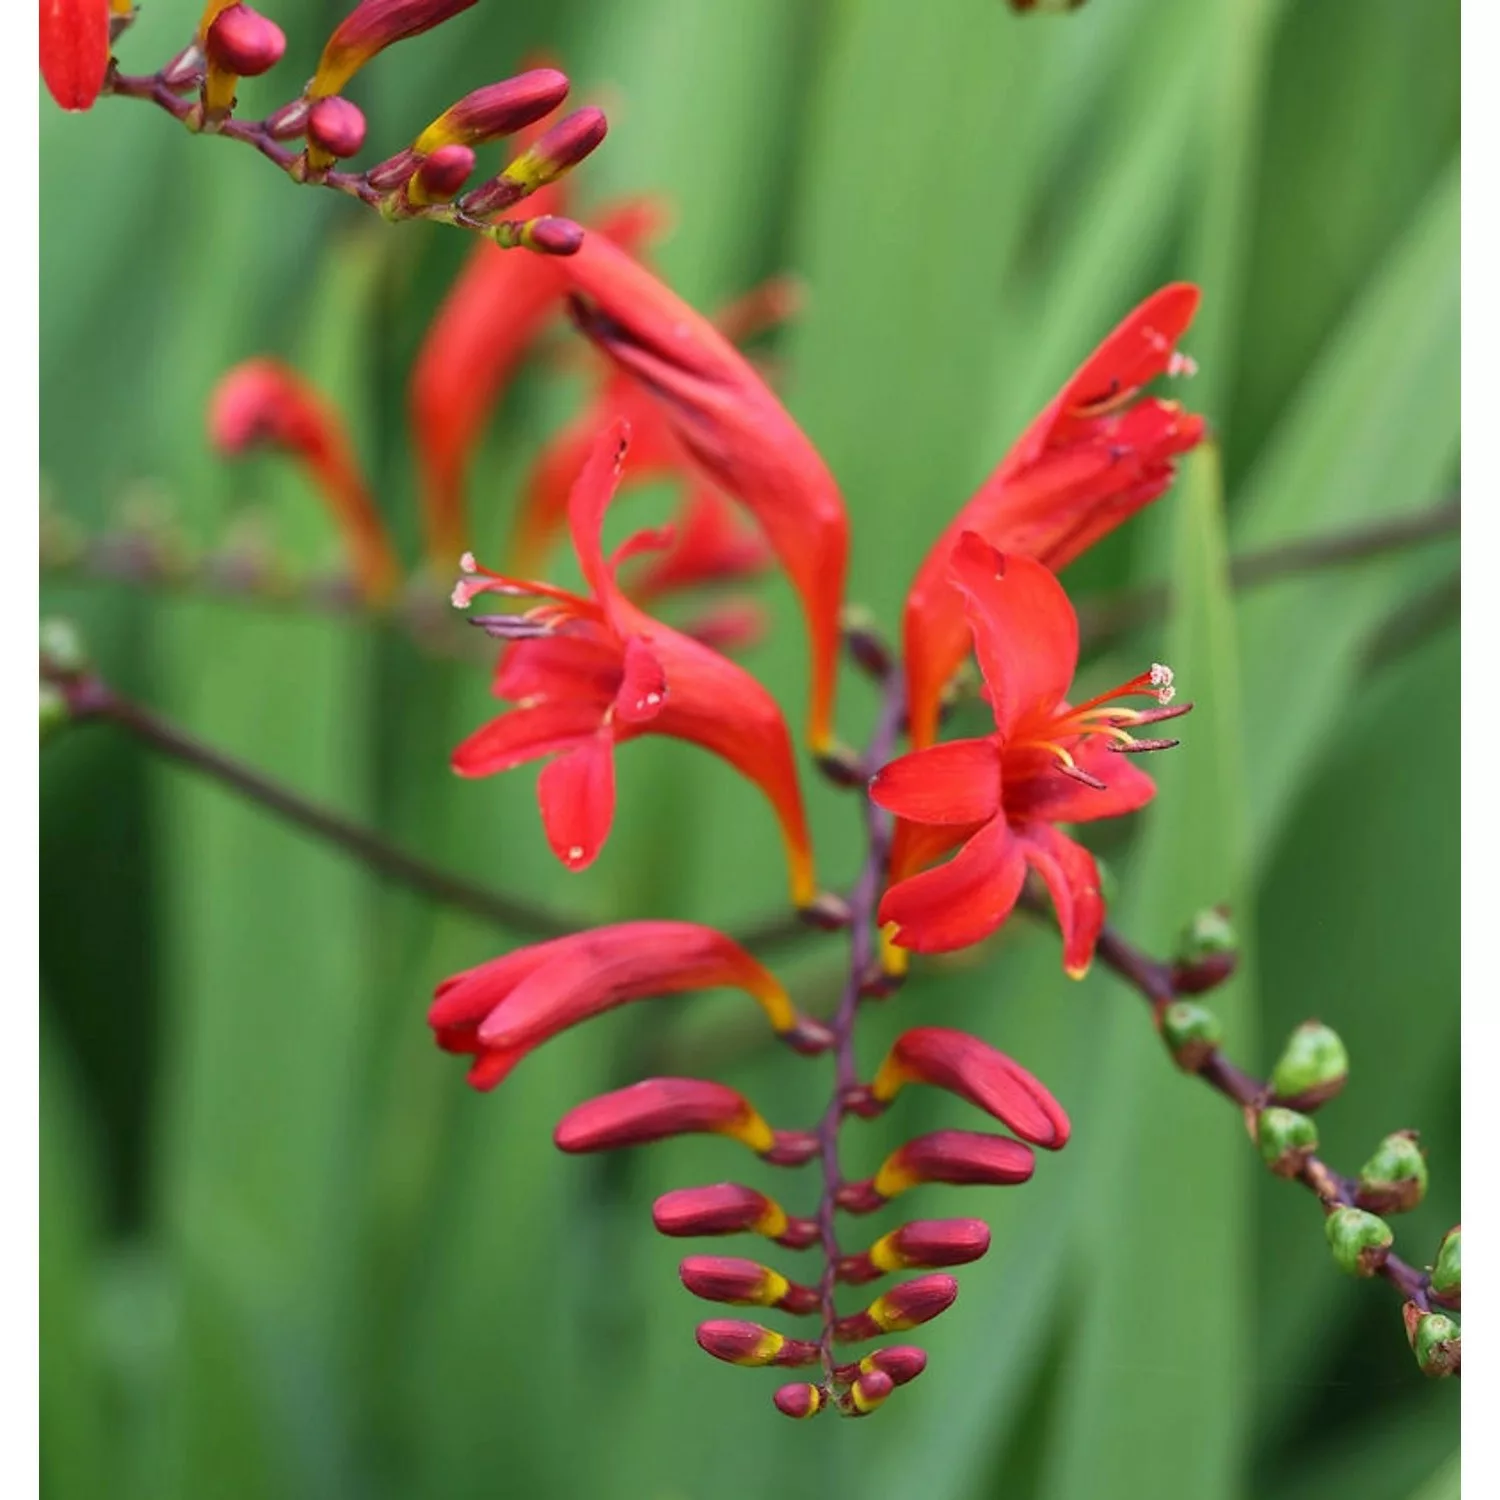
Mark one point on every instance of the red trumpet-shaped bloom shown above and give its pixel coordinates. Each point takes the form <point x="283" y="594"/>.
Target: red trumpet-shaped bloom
<point x="74" y="38"/>
<point x="726" y="417"/>
<point x="1001" y="796"/>
<point x="588" y="673"/>
<point x="1091" y="460"/>
<point x="503" y="1009"/>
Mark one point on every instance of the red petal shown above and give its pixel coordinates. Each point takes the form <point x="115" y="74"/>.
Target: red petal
<point x="643" y="690"/>
<point x="582" y="665"/>
<point x="956" y="782"/>
<point x="963" y="901"/>
<point x="525" y="734"/>
<point x="587" y="501"/>
<point x="1037" y="791"/>
<point x="1073" y="879"/>
<point x="577" y="796"/>
<point x="1025" y="631"/>
<point x="74" y="50"/>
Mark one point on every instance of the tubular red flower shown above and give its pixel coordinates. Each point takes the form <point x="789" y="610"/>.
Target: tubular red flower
<point x="484" y="328"/>
<point x="74" y="46"/>
<point x="263" y="402"/>
<point x="1047" y="762"/>
<point x="596" y="671"/>
<point x="498" y="109"/>
<point x="975" y="1071"/>
<point x="504" y="1009"/>
<point x="727" y="418"/>
<point x="371" y="27"/>
<point x="1089" y="461"/>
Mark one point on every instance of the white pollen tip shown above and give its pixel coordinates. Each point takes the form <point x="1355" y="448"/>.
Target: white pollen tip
<point x="467" y="563"/>
<point x="576" y="852"/>
<point x="1182" y="364"/>
<point x="1161" y="680"/>
<point x="460" y="597"/>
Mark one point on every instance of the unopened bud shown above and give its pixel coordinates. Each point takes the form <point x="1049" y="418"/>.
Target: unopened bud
<point x="799" y="1400"/>
<point x="1312" y="1069"/>
<point x="728" y="1208"/>
<point x="244" y="42"/>
<point x="553" y="154"/>
<point x="1435" y="1340"/>
<point x="1360" y="1242"/>
<point x="740" y="1343"/>
<point x="546" y="235"/>
<point x="62" y="650"/>
<point x="1192" y="1033"/>
<point x="826" y="911"/>
<point x="865" y="643"/>
<point x="335" y="130"/>
<point x="1394" y="1180"/>
<point x="496" y="110"/>
<point x="951" y="1156"/>
<point x="1286" y="1140"/>
<point x="657" y="1108"/>
<point x="920" y="1244"/>
<point x="1207" y="952"/>
<point x="745" y="1283"/>
<point x="868" y="1392"/>
<point x="368" y="29"/>
<point x="905" y="1306"/>
<point x="1446" y="1282"/>
<point x="902" y="1362"/>
<point x="440" y="176"/>
<point x="842" y="766"/>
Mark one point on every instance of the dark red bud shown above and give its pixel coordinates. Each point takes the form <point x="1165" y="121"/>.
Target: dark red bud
<point x="244" y="42"/>
<point x="740" y="1343"/>
<point x="728" y="1208"/>
<point x="725" y="1278"/>
<point x="336" y="126"/>
<point x="799" y="1400"/>
<point x="440" y="177"/>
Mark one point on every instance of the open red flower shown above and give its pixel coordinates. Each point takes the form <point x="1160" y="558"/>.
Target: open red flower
<point x="1002" y="796"/>
<point x="1091" y="460"/>
<point x="727" y="418"/>
<point x="588" y="673"/>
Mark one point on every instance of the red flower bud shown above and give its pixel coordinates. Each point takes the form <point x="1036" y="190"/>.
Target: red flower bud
<point x="799" y="1400"/>
<point x="440" y="176"/>
<point x="924" y="1242"/>
<point x="952" y="1156"/>
<point x="546" y="235"/>
<point x="904" y="1306"/>
<point x="902" y="1362"/>
<point x="74" y="40"/>
<point x="746" y="1283"/>
<point x="244" y="42"/>
<point x="869" y="1391"/>
<point x="661" y="1107"/>
<point x="975" y="1071"/>
<point x="739" y="1343"/>
<point x="728" y="1208"/>
<point x="370" y="28"/>
<point x="554" y="153"/>
<point x="335" y="129"/>
<point x="498" y="109"/>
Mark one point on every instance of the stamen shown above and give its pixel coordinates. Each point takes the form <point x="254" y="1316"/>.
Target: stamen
<point x="467" y="563"/>
<point x="513" y="627"/>
<point x="1140" y="747"/>
<point x="1161" y="680"/>
<point x="1182" y="364"/>
<point x="1079" y="774"/>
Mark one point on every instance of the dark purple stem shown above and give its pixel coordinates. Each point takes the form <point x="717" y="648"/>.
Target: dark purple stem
<point x="863" y="902"/>
<point x="1153" y="979"/>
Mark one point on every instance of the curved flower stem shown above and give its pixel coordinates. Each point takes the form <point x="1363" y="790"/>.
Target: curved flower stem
<point x="1152" y="979"/>
<point x="863" y="901"/>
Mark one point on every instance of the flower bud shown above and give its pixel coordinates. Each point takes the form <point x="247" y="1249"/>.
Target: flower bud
<point x="740" y="1343"/>
<point x="335" y="130"/>
<point x="799" y="1400"/>
<point x="746" y="1283"/>
<point x="440" y="176"/>
<point x="547" y="234"/>
<point x="1192" y="1033"/>
<point x="922" y="1243"/>
<point x="975" y="1071"/>
<point x="554" y="153"/>
<point x="62" y="650"/>
<point x="1360" y="1242"/>
<point x="869" y="1391"/>
<point x="905" y="1306"/>
<point x="1207" y="952"/>
<point x="371" y="27"/>
<point x="1286" y="1139"/>
<point x="1435" y="1340"/>
<point x="74" y="41"/>
<point x="1312" y="1069"/>
<point x="728" y="1208"/>
<point x="865" y="644"/>
<point x="1445" y="1284"/>
<point x="243" y="42"/>
<point x="1394" y="1180"/>
<point x="902" y="1362"/>
<point x="498" y="109"/>
<point x="952" y="1156"/>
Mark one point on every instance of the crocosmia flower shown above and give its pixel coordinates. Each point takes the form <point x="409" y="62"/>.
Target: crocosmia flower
<point x="1091" y="460"/>
<point x="726" y="416"/>
<point x="1002" y="796"/>
<point x="74" y="39"/>
<point x="587" y="673"/>
<point x="371" y="27"/>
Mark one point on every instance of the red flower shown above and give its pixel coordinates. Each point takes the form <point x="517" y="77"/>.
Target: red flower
<point x="588" y="673"/>
<point x="503" y="1009"/>
<point x="74" y="39"/>
<point x="725" y="415"/>
<point x="262" y="401"/>
<point x="1091" y="460"/>
<point x="1001" y="796"/>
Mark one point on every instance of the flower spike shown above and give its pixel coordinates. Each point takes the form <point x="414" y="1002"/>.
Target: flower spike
<point x="504" y="1009"/>
<point x="263" y="402"/>
<point x="727" y="418"/>
<point x="1091" y="460"/>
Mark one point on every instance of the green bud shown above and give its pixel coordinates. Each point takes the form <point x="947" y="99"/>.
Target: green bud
<point x="1208" y="934"/>
<point x="1360" y="1242"/>
<point x="55" y="712"/>
<point x="1395" y="1178"/>
<point x="1435" y="1340"/>
<point x="62" y="647"/>
<point x="1191" y="1032"/>
<point x="1286" y="1139"/>
<point x="1312" y="1069"/>
<point x="1445" y="1284"/>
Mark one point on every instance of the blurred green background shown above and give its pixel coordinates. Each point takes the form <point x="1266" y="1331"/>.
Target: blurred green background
<point x="285" y="1252"/>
